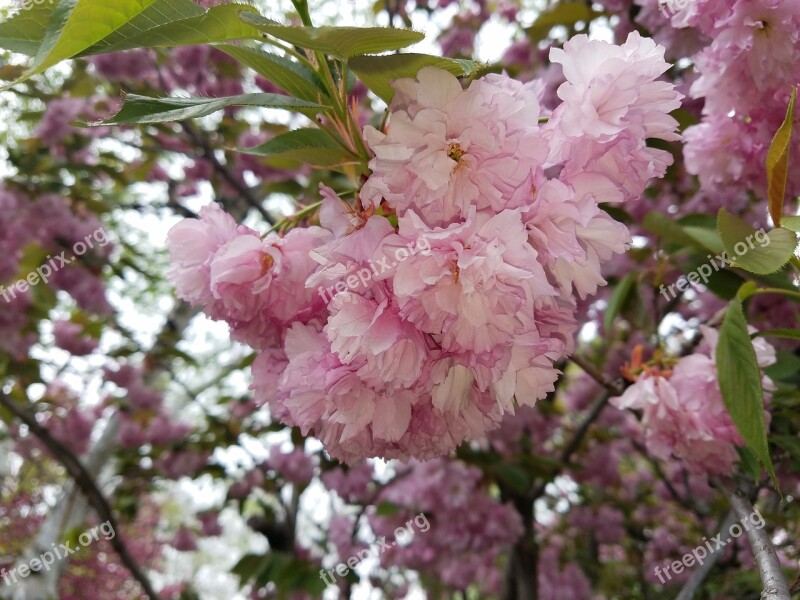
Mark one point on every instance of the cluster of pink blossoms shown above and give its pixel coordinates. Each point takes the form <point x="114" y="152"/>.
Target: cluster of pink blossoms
<point x="469" y="529"/>
<point x="684" y="415"/>
<point x="499" y="231"/>
<point x="746" y="54"/>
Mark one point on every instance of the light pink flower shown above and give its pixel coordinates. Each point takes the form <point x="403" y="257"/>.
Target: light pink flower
<point x="192" y="244"/>
<point x="448" y="148"/>
<point x="611" y="89"/>
<point x="684" y="415"/>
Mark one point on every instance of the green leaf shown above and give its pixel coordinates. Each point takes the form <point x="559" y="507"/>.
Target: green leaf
<point x="248" y="566"/>
<point x="740" y="383"/>
<point x="781" y="332"/>
<point x="705" y="237"/>
<point x="220" y="23"/>
<point x="78" y="24"/>
<point x="751" y="250"/>
<point x="563" y="13"/>
<point x="378" y="72"/>
<point x="723" y="282"/>
<point x="746" y="291"/>
<point x="306" y="145"/>
<point x="791" y="223"/>
<point x="514" y="477"/>
<point x="387" y="509"/>
<point x="618" y="298"/>
<point x="143" y="109"/>
<point x="666" y="227"/>
<point x="339" y="42"/>
<point x="789" y="443"/>
<point x="749" y="463"/>
<point x="161" y="12"/>
<point x="778" y="163"/>
<point x="785" y="368"/>
<point x="288" y="75"/>
<point x="23" y="32"/>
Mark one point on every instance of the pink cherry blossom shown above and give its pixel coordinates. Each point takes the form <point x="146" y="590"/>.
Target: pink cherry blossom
<point x="684" y="416"/>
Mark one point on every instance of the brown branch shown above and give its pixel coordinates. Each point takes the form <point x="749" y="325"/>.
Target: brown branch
<point x="699" y="575"/>
<point x="577" y="438"/>
<point x="87" y="485"/>
<point x="686" y="503"/>
<point x="614" y="388"/>
<point x="208" y="153"/>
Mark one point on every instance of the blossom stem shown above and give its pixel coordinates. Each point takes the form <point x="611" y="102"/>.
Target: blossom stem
<point x="790" y="293"/>
<point x="308" y="210"/>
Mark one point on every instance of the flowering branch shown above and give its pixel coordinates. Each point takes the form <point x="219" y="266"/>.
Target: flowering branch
<point x="87" y="485"/>
<point x="775" y="585"/>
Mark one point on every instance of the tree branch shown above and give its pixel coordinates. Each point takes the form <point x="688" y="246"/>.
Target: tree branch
<point x="614" y="388"/>
<point x="772" y="578"/>
<point x="577" y="438"/>
<point x="87" y="485"/>
<point x="699" y="575"/>
<point x="208" y="153"/>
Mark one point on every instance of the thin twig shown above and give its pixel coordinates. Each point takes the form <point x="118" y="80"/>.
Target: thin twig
<point x="87" y="485"/>
<point x="686" y="503"/>
<point x="769" y="567"/>
<point x="613" y="387"/>
<point x="577" y="438"/>
<point x="208" y="153"/>
<point x="699" y="575"/>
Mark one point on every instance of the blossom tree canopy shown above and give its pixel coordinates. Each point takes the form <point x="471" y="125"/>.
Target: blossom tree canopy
<point x="451" y="299"/>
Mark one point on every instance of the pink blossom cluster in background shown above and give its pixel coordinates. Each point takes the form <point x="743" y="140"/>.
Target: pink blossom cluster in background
<point x="745" y="57"/>
<point x="54" y="224"/>
<point x="683" y="414"/>
<point x="436" y="349"/>
<point x="469" y="528"/>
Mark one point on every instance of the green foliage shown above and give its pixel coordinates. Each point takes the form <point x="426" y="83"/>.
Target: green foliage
<point x="58" y="31"/>
<point x="24" y="32"/>
<point x="378" y="72"/>
<point x="298" y="80"/>
<point x="743" y="246"/>
<point x="672" y="231"/>
<point x="619" y="297"/>
<point x="340" y="42"/>
<point x="791" y="223"/>
<point x="307" y="145"/>
<point x="740" y="383"/>
<point x="219" y="24"/>
<point x="778" y="163"/>
<point x="567" y="14"/>
<point x="142" y="109"/>
<point x="158" y="14"/>
<point x="78" y="24"/>
<point x="288" y="573"/>
<point x="514" y="477"/>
